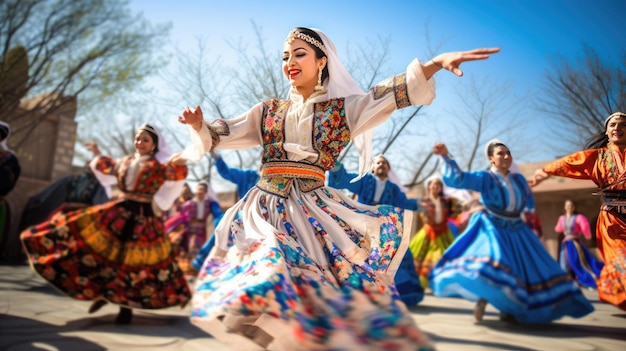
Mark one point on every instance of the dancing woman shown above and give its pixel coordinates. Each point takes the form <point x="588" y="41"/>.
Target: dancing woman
<point x="498" y="259"/>
<point x="604" y="163"/>
<point x="296" y="264"/>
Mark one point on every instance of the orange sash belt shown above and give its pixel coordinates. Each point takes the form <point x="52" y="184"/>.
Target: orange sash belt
<point x="296" y="170"/>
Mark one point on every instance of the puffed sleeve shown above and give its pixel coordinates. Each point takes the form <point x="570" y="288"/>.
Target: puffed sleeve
<point x="410" y="88"/>
<point x="579" y="165"/>
<point x="454" y="177"/>
<point x="241" y="132"/>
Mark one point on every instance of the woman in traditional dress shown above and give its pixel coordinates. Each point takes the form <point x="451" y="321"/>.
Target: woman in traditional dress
<point x="498" y="259"/>
<point x="574" y="256"/>
<point x="436" y="234"/>
<point x="9" y="174"/>
<point x="193" y="216"/>
<point x="297" y="265"/>
<point x="604" y="163"/>
<point x="117" y="252"/>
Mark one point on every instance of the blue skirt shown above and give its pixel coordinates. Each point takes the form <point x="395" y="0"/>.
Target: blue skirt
<point x="576" y="258"/>
<point x="503" y="262"/>
<point x="408" y="282"/>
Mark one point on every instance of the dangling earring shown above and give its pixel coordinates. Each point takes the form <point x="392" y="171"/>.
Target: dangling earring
<point x="319" y="86"/>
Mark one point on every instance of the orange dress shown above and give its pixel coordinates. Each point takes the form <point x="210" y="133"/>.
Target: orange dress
<point x="607" y="168"/>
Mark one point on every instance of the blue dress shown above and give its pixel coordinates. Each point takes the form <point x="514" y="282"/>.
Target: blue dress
<point x="406" y="279"/>
<point x="499" y="259"/>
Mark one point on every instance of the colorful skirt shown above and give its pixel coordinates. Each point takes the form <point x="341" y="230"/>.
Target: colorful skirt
<point x="577" y="260"/>
<point x="310" y="272"/>
<point x="116" y="251"/>
<point x="504" y="263"/>
<point x="611" y="235"/>
<point x="427" y="248"/>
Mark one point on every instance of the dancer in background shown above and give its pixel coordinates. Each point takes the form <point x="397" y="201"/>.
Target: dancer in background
<point x="574" y="256"/>
<point x="498" y="259"/>
<point x="244" y="179"/>
<point x="297" y="265"/>
<point x="436" y="234"/>
<point x="193" y="217"/>
<point x="382" y="187"/>
<point x="604" y="163"/>
<point x="117" y="252"/>
<point x="9" y="174"/>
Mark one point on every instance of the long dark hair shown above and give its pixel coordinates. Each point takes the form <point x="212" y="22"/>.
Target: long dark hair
<point x="597" y="141"/>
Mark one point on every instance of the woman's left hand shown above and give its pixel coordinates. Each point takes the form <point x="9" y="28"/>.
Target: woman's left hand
<point x="452" y="60"/>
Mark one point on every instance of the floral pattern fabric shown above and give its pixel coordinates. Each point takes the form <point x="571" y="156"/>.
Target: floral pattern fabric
<point x="117" y="251"/>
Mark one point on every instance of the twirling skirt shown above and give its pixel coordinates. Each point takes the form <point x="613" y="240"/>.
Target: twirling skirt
<point x="311" y="272"/>
<point x="580" y="261"/>
<point x="116" y="251"/>
<point x="504" y="263"/>
<point x="427" y="248"/>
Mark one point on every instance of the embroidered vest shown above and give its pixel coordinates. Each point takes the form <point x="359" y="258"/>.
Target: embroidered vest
<point x="330" y="134"/>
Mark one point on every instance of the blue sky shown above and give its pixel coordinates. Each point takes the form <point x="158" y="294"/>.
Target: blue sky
<point x="529" y="32"/>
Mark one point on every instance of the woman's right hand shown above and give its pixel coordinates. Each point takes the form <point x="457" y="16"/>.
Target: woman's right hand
<point x="192" y="117"/>
<point x="538" y="177"/>
<point x="440" y="149"/>
<point x="93" y="147"/>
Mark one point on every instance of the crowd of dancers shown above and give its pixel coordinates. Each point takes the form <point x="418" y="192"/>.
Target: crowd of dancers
<point x="298" y="264"/>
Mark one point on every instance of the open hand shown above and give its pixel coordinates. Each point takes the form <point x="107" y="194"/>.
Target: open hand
<point x="192" y="117"/>
<point x="452" y="60"/>
<point x="538" y="177"/>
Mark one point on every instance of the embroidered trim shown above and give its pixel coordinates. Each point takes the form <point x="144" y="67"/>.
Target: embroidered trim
<point x="290" y="169"/>
<point x="330" y="131"/>
<point x="396" y="85"/>
<point x="217" y="128"/>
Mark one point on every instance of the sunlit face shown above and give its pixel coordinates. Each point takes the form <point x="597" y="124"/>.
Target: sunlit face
<point x="569" y="206"/>
<point x="380" y="168"/>
<point x="144" y="144"/>
<point x="300" y="65"/>
<point x="501" y="158"/>
<point x="201" y="191"/>
<point x="616" y="130"/>
<point x="435" y="187"/>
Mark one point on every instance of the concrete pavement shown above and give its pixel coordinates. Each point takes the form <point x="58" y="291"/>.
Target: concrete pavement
<point x="34" y="316"/>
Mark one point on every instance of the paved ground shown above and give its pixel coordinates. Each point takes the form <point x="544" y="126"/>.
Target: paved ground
<point x="34" y="316"/>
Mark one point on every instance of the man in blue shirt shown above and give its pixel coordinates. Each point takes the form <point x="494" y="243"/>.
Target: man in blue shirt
<point x="377" y="189"/>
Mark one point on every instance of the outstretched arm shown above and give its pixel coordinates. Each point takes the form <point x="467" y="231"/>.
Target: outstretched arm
<point x="452" y="61"/>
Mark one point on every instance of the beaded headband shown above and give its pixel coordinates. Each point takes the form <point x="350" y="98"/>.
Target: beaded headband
<point x="616" y="114"/>
<point x="295" y="34"/>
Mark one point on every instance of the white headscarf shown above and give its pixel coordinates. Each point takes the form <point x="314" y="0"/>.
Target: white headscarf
<point x="391" y="175"/>
<point x="3" y="143"/>
<point x="514" y="168"/>
<point x="341" y="84"/>
<point x="462" y="195"/>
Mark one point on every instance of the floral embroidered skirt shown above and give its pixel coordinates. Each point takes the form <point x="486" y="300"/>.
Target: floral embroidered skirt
<point x="310" y="272"/>
<point x="504" y="263"/>
<point x="116" y="251"/>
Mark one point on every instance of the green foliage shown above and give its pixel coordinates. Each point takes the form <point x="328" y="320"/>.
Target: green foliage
<point x="95" y="51"/>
